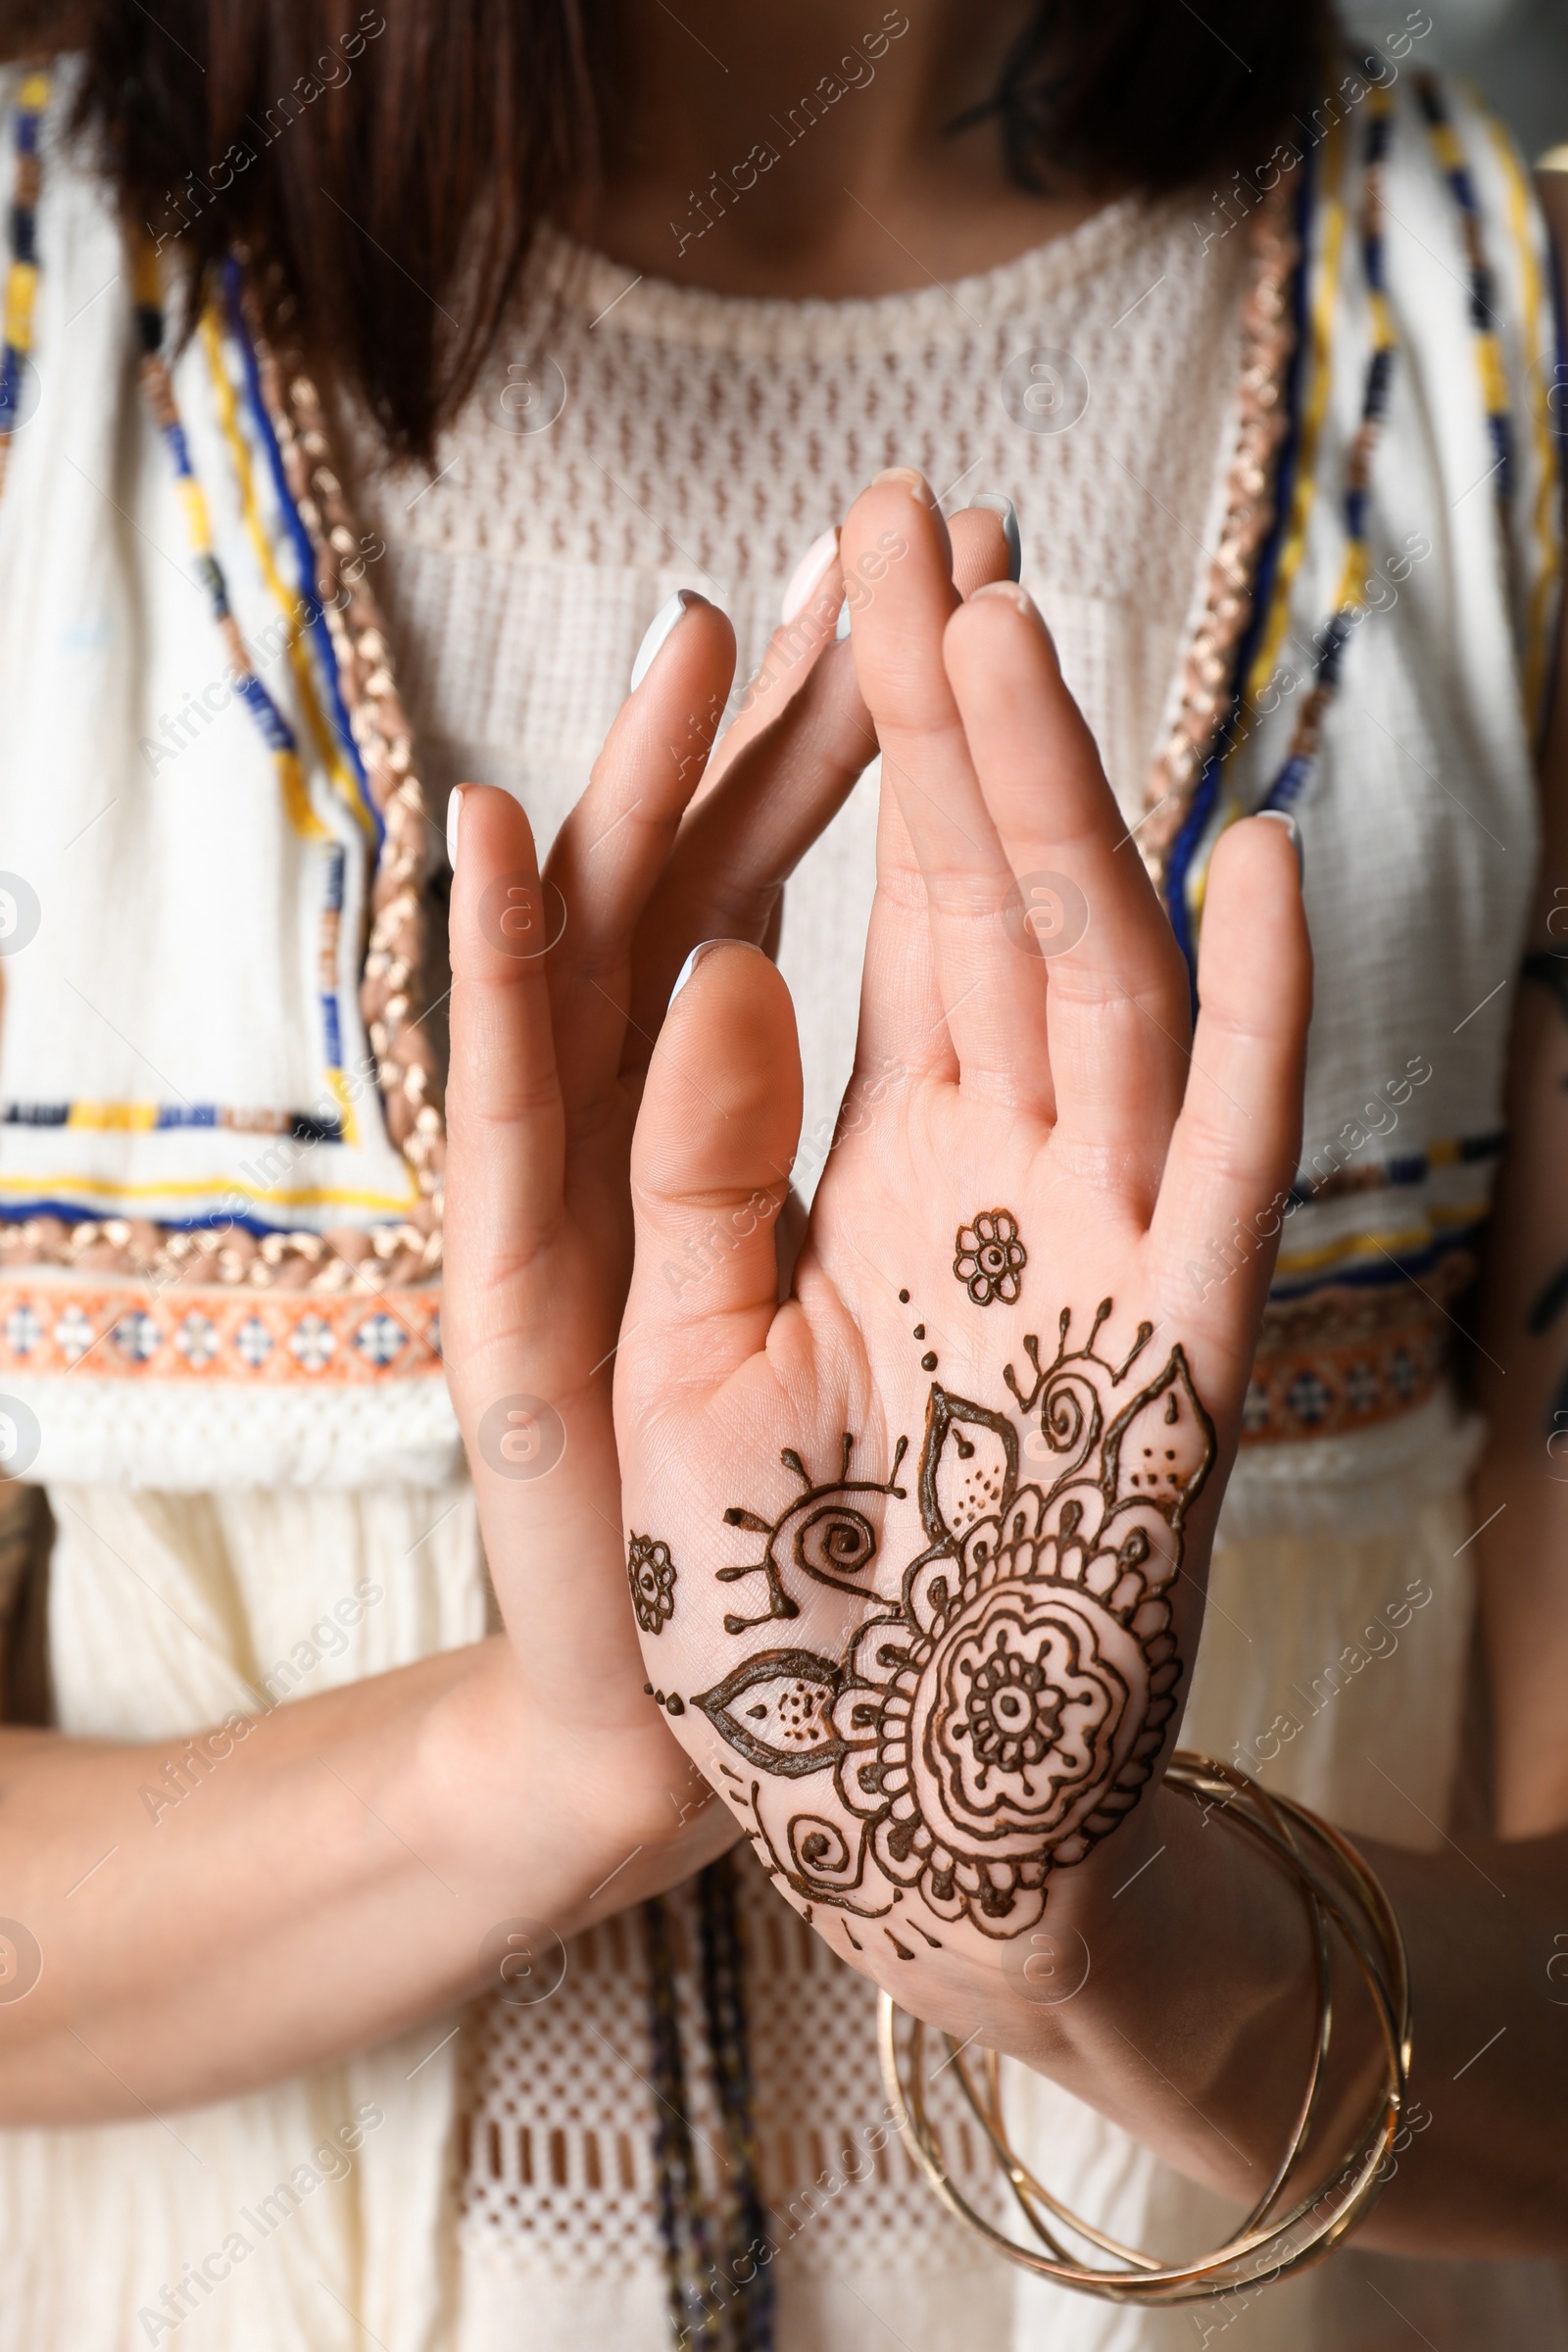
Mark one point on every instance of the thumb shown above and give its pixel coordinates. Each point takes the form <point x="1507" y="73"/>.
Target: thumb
<point x="717" y="1133"/>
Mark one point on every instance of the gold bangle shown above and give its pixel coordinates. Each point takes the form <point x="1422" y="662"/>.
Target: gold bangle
<point x="1337" y="1887"/>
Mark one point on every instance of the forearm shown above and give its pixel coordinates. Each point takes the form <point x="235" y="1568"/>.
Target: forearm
<point x="325" y="1878"/>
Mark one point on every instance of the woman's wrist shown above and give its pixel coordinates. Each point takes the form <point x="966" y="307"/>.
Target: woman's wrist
<point x="561" y="1822"/>
<point x="1179" y="1997"/>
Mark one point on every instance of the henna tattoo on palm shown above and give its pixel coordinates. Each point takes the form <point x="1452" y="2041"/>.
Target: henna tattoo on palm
<point x="990" y="1258"/>
<point x="1004" y="1712"/>
<point x="650" y="1574"/>
<point x="819" y="1532"/>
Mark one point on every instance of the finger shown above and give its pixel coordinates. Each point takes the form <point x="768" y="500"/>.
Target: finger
<point x="509" y="1263"/>
<point x="716" y="1132"/>
<point x="902" y="1025"/>
<point x="1116" y="984"/>
<point x="613" y="849"/>
<point x="745" y="837"/>
<point x="1236" y="1146"/>
<point x="980" y="548"/>
<point x="506" y="1121"/>
<point x="807" y="629"/>
<point x="811" y="621"/>
<point x="993" y="997"/>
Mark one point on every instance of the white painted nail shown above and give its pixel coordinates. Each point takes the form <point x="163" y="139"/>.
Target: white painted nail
<point x="843" y="629"/>
<point x="703" y="947"/>
<point x="453" y="814"/>
<point x="993" y="502"/>
<point x="808" y="571"/>
<point x="659" y="628"/>
<point x="1282" y="816"/>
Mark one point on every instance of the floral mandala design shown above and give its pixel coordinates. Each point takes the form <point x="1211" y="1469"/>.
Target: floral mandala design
<point x="651" y="1573"/>
<point x="991" y="1259"/>
<point x="1003" y="1714"/>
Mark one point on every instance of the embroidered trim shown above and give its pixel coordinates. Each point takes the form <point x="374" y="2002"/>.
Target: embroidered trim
<point x="1332" y="638"/>
<point x="1404" y="1168"/>
<point x="145" y="1118"/>
<point x="1264" y="431"/>
<point x="1349" y="1360"/>
<point x="386" y="1257"/>
<point x="1383" y="1257"/>
<point x="1448" y="149"/>
<point x="21" y="276"/>
<point x="1546" y="519"/>
<point x="375" y="771"/>
<point x="202" y="1332"/>
<point x="392" y="997"/>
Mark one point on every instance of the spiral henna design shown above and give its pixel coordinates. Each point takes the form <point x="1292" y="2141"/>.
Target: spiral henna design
<point x="1003" y="1713"/>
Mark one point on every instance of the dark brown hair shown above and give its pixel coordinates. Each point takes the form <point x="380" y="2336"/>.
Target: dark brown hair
<point x="426" y="139"/>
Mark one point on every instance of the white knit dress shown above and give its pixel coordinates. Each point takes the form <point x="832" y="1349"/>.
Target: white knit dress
<point x="503" y="2198"/>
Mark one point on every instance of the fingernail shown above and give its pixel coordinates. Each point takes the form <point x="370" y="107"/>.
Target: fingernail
<point x="659" y="628"/>
<point x="705" y="948"/>
<point x="993" y="502"/>
<point x="843" y="629"/>
<point x="1282" y="816"/>
<point x="910" y="478"/>
<point x="454" y="814"/>
<point x="1010" y="594"/>
<point x="808" y="571"/>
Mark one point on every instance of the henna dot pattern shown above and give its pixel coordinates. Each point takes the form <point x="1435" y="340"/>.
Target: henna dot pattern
<point x="990" y="1258"/>
<point x="651" y="1573"/>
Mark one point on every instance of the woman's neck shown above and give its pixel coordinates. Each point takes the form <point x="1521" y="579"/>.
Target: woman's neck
<point x="805" y="151"/>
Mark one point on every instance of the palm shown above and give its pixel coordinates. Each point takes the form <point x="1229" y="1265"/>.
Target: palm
<point x="907" y="1551"/>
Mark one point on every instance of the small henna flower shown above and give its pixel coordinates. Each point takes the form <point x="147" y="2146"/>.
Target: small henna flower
<point x="991" y="1259"/>
<point x="651" y="1573"/>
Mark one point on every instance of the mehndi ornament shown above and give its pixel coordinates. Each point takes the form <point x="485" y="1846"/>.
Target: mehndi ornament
<point x="1003" y="1714"/>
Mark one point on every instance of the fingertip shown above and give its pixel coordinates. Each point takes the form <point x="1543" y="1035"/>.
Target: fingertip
<point x="1255" y="930"/>
<point x="498" y="863"/>
<point x="1282" y="816"/>
<point x="998" y="503"/>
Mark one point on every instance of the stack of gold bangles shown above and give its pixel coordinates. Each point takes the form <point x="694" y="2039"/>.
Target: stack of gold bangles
<point x="1285" y="2231"/>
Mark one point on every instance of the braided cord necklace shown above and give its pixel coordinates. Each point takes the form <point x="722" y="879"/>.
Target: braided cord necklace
<point x="720" y="2298"/>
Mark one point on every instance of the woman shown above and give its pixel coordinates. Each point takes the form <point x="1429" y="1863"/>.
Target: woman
<point x="517" y="575"/>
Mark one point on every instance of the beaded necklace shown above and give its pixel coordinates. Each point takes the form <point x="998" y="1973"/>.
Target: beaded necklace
<point x="727" y="2301"/>
<point x="22" y="278"/>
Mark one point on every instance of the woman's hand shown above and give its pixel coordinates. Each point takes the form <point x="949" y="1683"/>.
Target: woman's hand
<point x="560" y="982"/>
<point x="919" y="1556"/>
